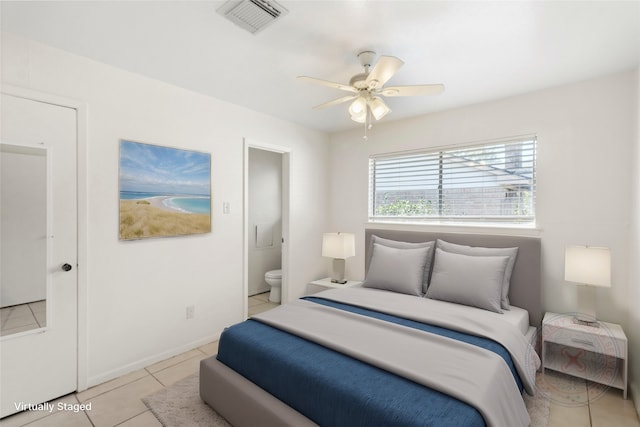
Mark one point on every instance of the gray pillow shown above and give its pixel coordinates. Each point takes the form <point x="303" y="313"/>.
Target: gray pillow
<point x="397" y="270"/>
<point x="468" y="280"/>
<point x="406" y="245"/>
<point x="512" y="253"/>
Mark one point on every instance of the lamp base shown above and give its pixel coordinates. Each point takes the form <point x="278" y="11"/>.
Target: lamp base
<point x="337" y="274"/>
<point x="586" y="314"/>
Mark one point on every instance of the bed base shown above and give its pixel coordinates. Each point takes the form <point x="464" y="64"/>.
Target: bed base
<point x="241" y="402"/>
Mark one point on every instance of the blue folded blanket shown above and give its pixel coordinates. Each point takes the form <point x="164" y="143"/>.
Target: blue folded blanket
<point x="336" y="390"/>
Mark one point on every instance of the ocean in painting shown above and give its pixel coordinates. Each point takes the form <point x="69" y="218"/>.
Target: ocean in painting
<point x="201" y="205"/>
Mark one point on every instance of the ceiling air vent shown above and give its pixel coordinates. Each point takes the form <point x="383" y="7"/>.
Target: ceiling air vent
<point x="252" y="15"/>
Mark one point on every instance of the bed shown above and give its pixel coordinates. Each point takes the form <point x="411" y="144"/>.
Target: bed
<point x="386" y="353"/>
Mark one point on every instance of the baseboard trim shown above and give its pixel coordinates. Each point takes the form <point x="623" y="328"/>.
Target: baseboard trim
<point x="143" y="363"/>
<point x="259" y="291"/>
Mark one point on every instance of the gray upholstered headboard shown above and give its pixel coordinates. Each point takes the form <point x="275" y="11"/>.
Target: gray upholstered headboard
<point x="525" y="290"/>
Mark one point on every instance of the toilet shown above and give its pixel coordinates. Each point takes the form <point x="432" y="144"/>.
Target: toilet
<point x="274" y="279"/>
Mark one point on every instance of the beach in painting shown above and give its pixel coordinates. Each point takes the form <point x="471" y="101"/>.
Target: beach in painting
<point x="184" y="203"/>
<point x="163" y="191"/>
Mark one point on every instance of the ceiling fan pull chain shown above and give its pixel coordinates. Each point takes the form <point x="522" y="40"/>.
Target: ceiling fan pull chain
<point x="367" y="123"/>
<point x="365" y="137"/>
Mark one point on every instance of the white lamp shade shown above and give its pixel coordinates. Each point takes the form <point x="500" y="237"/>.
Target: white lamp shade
<point x="378" y="108"/>
<point x="358" y="106"/>
<point x="360" y="117"/>
<point x="338" y="245"/>
<point x="587" y="265"/>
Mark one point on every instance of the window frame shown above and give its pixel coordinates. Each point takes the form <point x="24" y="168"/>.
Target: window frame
<point x="470" y="220"/>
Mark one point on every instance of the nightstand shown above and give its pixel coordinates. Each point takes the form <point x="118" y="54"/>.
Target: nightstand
<point x="326" y="283"/>
<point x="598" y="354"/>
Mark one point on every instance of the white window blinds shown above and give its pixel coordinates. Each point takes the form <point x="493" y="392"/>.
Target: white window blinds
<point x="492" y="182"/>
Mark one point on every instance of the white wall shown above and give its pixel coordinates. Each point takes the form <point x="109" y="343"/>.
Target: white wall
<point x="265" y="211"/>
<point x="138" y="291"/>
<point x="634" y="276"/>
<point x="585" y="136"/>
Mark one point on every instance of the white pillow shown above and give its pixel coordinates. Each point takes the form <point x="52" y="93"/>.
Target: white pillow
<point x="407" y="245"/>
<point x="468" y="280"/>
<point x="512" y="253"/>
<point x="397" y="270"/>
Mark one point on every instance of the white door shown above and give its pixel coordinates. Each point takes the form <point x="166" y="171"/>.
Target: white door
<point x="38" y="354"/>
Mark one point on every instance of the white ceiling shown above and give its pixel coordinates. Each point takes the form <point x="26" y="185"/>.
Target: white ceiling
<point x="480" y="50"/>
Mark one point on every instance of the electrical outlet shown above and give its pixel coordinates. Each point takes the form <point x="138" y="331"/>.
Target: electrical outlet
<point x="191" y="311"/>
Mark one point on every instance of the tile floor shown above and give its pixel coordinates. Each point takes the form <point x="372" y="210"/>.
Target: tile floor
<point x="118" y="402"/>
<point x="576" y="402"/>
<point x="259" y="303"/>
<point x="23" y="317"/>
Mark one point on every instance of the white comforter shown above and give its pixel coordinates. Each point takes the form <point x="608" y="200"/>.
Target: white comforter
<point x="469" y="373"/>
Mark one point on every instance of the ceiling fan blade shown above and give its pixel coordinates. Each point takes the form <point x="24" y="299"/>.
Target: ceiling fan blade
<point x="334" y="85"/>
<point x="412" y="90"/>
<point x="384" y="69"/>
<point x="335" y="102"/>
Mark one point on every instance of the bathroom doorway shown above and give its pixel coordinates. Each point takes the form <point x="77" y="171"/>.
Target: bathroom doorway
<point x="266" y="216"/>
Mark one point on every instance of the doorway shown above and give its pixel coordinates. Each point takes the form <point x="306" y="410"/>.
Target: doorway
<point x="39" y="362"/>
<point x="266" y="225"/>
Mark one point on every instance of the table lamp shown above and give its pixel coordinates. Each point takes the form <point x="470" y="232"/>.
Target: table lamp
<point x="338" y="246"/>
<point x="589" y="266"/>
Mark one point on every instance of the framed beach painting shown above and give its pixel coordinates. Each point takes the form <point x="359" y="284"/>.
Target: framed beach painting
<point x="164" y="191"/>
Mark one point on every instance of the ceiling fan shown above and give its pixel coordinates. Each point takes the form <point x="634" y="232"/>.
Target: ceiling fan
<point x="367" y="88"/>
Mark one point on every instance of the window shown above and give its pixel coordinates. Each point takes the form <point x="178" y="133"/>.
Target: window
<point x="492" y="182"/>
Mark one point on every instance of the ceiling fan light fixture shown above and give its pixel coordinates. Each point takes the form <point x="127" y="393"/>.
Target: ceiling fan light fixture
<point x="378" y="108"/>
<point x="360" y="117"/>
<point x="358" y="106"/>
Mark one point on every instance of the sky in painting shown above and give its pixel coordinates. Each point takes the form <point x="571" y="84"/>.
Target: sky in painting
<point x="155" y="169"/>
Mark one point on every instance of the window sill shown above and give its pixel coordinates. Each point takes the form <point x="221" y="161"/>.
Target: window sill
<point x="493" y="228"/>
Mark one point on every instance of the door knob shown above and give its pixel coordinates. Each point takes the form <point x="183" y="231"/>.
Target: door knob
<point x="66" y="267"/>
